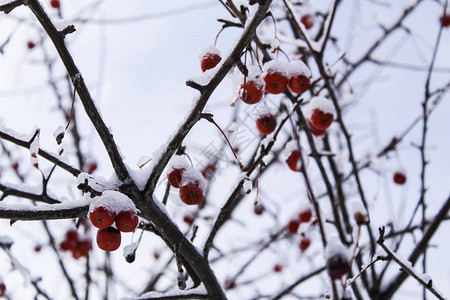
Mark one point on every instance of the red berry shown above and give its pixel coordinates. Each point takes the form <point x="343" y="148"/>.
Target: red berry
<point x="85" y="246"/>
<point x="266" y="124"/>
<point x="55" y="4"/>
<point x="307" y="20"/>
<point x="209" y="170"/>
<point x="259" y="209"/>
<point x="209" y="61"/>
<point x="191" y="194"/>
<point x="251" y="92"/>
<point x="337" y="266"/>
<point x="91" y="167"/>
<point x="175" y="177"/>
<point x="320" y="119"/>
<point x="37" y="248"/>
<point x="304" y="243"/>
<point x="228" y="285"/>
<point x="156" y="255"/>
<point x="15" y="165"/>
<point x="189" y="219"/>
<point x="305" y="216"/>
<point x="399" y="177"/>
<point x="293" y="161"/>
<point x="31" y="45"/>
<point x="278" y="268"/>
<point x="2" y="289"/>
<point x="299" y="83"/>
<point x="72" y="235"/>
<point x="445" y="20"/>
<point x="315" y="131"/>
<point x="101" y="217"/>
<point x="127" y="221"/>
<point x="292" y="227"/>
<point x="108" y="239"/>
<point x="276" y="82"/>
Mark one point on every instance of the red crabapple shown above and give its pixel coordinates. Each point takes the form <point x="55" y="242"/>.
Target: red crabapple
<point x="31" y="45"/>
<point x="445" y="20"/>
<point x="293" y="226"/>
<point x="275" y="78"/>
<point x="399" y="178"/>
<point x="55" y="4"/>
<point x="127" y="221"/>
<point x="304" y="243"/>
<point x="266" y="124"/>
<point x="258" y="209"/>
<point x="108" y="239"/>
<point x="307" y="20"/>
<point x="278" y="268"/>
<point x="191" y="194"/>
<point x="102" y="217"/>
<point x="175" y="177"/>
<point x="321" y="120"/>
<point x="294" y="158"/>
<point x="305" y="216"/>
<point x="314" y="130"/>
<point x="298" y="74"/>
<point x="188" y="219"/>
<point x="337" y="258"/>
<point x="251" y="92"/>
<point x="209" y="58"/>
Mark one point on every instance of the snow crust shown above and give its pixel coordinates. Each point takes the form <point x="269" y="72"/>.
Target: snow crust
<point x="211" y="49"/>
<point x="321" y="103"/>
<point x="114" y="201"/>
<point x="335" y="248"/>
<point x="255" y="75"/>
<point x="275" y="66"/>
<point x="192" y="175"/>
<point x="297" y="67"/>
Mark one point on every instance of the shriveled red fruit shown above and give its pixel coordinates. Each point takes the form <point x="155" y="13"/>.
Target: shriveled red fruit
<point x="55" y="4"/>
<point x="399" y="177"/>
<point x="299" y="83"/>
<point x="258" y="209"/>
<point x="101" y="217"/>
<point x="315" y="131"/>
<point x="293" y="226"/>
<point x="188" y="219"/>
<point x="108" y="239"/>
<point x="445" y="20"/>
<point x="307" y="20"/>
<point x="251" y="92"/>
<point x="37" y="248"/>
<point x="320" y="119"/>
<point x="127" y="221"/>
<point x="31" y="45"/>
<point x="304" y="243"/>
<point x="156" y="255"/>
<point x="175" y="177"/>
<point x="266" y="124"/>
<point x="191" y="194"/>
<point x="278" y="268"/>
<point x="305" y="216"/>
<point x="209" y="61"/>
<point x="276" y="82"/>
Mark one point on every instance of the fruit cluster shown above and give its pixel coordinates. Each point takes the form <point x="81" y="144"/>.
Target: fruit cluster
<point x="112" y="207"/>
<point x="189" y="180"/>
<point x="79" y="246"/>
<point x="304" y="216"/>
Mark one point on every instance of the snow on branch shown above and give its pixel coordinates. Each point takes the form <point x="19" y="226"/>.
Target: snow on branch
<point x="406" y="266"/>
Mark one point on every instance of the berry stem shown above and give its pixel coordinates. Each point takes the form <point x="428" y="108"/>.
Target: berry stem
<point x="209" y="117"/>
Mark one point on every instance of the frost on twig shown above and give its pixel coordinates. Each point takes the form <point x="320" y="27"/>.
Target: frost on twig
<point x="406" y="266"/>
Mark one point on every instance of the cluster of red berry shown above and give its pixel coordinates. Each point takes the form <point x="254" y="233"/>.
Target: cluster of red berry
<point x="189" y="180"/>
<point x="79" y="246"/>
<point x="304" y="216"/>
<point x="112" y="207"/>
